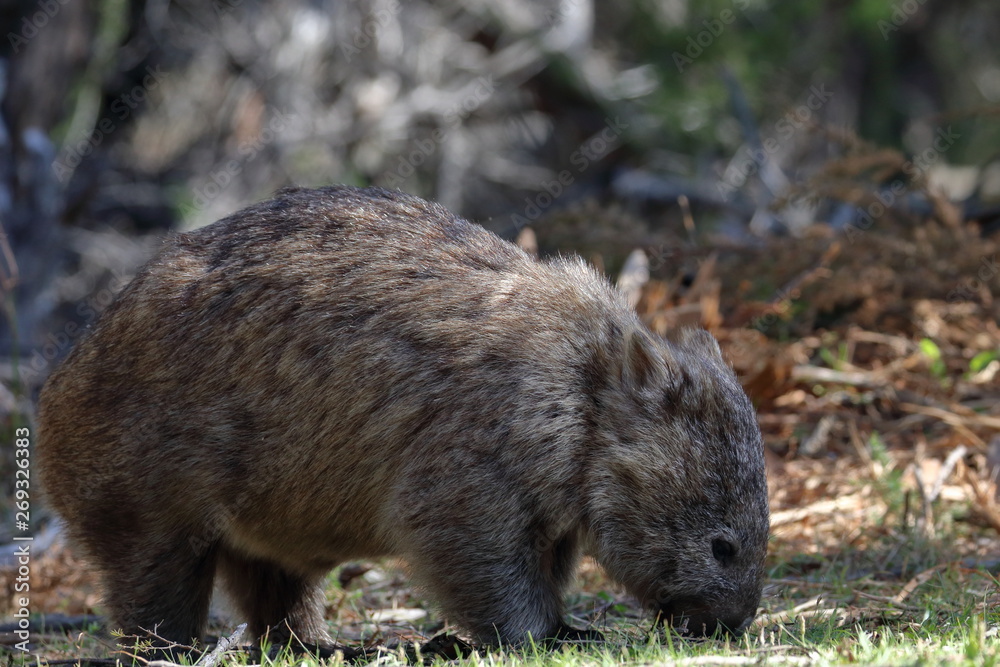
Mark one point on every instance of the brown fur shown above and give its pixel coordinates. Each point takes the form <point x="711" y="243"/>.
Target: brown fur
<point x="344" y="373"/>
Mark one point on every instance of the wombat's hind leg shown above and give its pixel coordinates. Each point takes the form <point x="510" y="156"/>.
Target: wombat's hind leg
<point x="165" y="591"/>
<point x="274" y="602"/>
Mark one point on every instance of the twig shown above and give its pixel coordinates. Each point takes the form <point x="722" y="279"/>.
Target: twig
<point x="912" y="584"/>
<point x="209" y="659"/>
<point x="167" y="645"/>
<point x="688" y="218"/>
<point x="833" y="506"/>
<point x="816" y="441"/>
<point x="788" y="614"/>
<point x="925" y="497"/>
<point x="899" y="344"/>
<point x="945" y="473"/>
<point x="958" y="421"/>
<point x="887" y="598"/>
<point x="633" y="276"/>
<point x="8" y="268"/>
<point x="806" y="373"/>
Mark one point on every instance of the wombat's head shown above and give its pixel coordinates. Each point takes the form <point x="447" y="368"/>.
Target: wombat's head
<point x="677" y="493"/>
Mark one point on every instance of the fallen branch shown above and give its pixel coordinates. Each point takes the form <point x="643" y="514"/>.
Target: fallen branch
<point x="225" y="643"/>
<point x="788" y="615"/>
<point x="821" y="507"/>
<point x="912" y="584"/>
<point x="886" y="598"/>
<point x="960" y="422"/>
<point x="806" y="373"/>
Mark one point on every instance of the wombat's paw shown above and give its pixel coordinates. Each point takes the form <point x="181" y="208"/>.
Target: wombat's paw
<point x="142" y="655"/>
<point x="700" y="625"/>
<point x="299" y="648"/>
<point x="447" y="646"/>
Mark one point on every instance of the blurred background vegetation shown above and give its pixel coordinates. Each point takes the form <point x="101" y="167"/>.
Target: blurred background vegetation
<point x="605" y="126"/>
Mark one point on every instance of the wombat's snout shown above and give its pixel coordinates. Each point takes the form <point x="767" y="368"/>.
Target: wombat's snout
<point x="691" y="618"/>
<point x="694" y="617"/>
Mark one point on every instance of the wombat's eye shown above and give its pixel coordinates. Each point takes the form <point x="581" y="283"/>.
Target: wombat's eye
<point x="723" y="550"/>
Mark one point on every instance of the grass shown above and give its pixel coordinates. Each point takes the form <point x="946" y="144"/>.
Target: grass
<point x="904" y="600"/>
<point x="960" y="637"/>
<point x="861" y="571"/>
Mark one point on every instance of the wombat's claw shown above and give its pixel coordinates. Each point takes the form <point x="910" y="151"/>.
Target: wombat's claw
<point x="325" y="652"/>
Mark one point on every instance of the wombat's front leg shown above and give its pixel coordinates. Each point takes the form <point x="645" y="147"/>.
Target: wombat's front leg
<point x="499" y="602"/>
<point x="498" y="584"/>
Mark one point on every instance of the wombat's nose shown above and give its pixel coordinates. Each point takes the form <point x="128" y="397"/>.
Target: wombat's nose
<point x="701" y="623"/>
<point x="737" y="631"/>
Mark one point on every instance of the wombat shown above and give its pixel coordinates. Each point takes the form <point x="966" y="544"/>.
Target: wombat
<point x="343" y="373"/>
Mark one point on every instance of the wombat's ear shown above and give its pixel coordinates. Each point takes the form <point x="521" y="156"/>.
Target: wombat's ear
<point x="700" y="340"/>
<point x="645" y="364"/>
